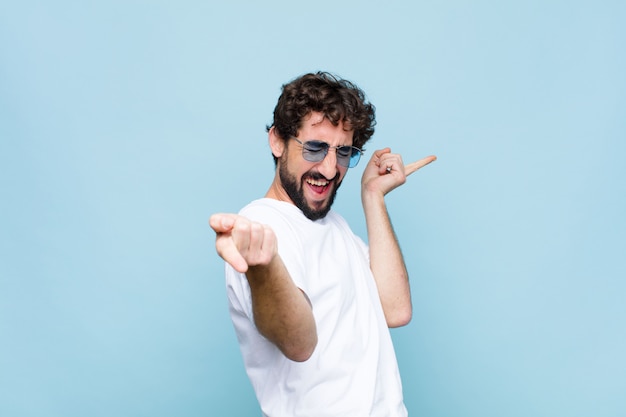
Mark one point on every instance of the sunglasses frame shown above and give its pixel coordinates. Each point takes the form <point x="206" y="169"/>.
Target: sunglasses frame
<point x="318" y="155"/>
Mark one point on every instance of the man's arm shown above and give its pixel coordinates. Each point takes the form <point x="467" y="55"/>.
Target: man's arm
<point x="384" y="172"/>
<point x="282" y="312"/>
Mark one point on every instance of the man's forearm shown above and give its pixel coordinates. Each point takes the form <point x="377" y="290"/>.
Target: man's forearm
<point x="386" y="262"/>
<point x="282" y="312"/>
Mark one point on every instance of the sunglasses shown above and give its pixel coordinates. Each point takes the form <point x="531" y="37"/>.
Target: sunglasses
<point x="316" y="151"/>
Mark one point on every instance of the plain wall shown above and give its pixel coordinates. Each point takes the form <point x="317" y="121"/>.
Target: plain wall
<point x="125" y="124"/>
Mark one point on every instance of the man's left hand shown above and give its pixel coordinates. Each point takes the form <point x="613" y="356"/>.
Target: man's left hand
<point x="386" y="171"/>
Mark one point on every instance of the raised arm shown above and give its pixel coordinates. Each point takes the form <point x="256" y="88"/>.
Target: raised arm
<point x="384" y="172"/>
<point x="281" y="311"/>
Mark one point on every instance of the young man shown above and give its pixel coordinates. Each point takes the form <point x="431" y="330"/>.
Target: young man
<point x="310" y="301"/>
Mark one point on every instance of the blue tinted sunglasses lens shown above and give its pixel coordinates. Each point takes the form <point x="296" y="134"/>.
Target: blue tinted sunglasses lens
<point x="316" y="150"/>
<point x="354" y="158"/>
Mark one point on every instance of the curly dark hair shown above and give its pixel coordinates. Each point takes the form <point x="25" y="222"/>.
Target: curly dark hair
<point x="338" y="99"/>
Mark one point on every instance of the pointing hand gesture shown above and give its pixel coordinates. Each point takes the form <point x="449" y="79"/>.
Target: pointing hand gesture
<point x="386" y="171"/>
<point x="241" y="242"/>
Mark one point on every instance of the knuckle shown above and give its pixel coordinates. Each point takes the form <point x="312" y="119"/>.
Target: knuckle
<point x="243" y="226"/>
<point x="256" y="229"/>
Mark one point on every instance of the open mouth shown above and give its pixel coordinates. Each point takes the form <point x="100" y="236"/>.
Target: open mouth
<point x="318" y="185"/>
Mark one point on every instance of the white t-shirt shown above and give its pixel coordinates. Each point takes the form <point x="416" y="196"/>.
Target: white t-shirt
<point x="353" y="370"/>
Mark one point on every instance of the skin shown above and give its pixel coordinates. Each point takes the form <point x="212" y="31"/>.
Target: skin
<point x="282" y="311"/>
<point x="386" y="261"/>
<point x="308" y="176"/>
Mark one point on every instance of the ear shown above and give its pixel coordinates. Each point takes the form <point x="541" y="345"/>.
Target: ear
<point x="277" y="144"/>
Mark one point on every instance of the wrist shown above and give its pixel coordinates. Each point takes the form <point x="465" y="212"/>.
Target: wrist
<point x="370" y="196"/>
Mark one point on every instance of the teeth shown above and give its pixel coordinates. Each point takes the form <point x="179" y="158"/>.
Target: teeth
<point x="318" y="183"/>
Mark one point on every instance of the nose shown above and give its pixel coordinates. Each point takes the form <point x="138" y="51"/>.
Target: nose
<point x="328" y="166"/>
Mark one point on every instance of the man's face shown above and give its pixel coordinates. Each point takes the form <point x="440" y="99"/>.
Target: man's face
<point x="312" y="186"/>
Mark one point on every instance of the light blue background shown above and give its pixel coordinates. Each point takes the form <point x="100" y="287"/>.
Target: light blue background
<point x="125" y="124"/>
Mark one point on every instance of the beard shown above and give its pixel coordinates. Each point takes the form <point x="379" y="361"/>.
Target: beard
<point x="293" y="188"/>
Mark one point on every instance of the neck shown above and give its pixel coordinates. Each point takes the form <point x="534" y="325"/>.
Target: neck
<point x="276" y="191"/>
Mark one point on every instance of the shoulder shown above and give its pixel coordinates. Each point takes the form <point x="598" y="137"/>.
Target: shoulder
<point x="266" y="209"/>
<point x="342" y="224"/>
<point x="336" y="220"/>
<point x="285" y="219"/>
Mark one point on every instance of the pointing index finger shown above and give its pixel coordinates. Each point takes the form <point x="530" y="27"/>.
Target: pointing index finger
<point x="222" y="222"/>
<point x="414" y="166"/>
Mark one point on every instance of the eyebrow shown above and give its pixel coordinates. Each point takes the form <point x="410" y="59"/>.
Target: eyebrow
<point x="323" y="141"/>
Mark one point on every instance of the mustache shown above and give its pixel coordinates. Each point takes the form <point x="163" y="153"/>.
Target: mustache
<point x="317" y="176"/>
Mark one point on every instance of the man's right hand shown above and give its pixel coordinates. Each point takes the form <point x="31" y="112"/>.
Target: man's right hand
<point x="242" y="242"/>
